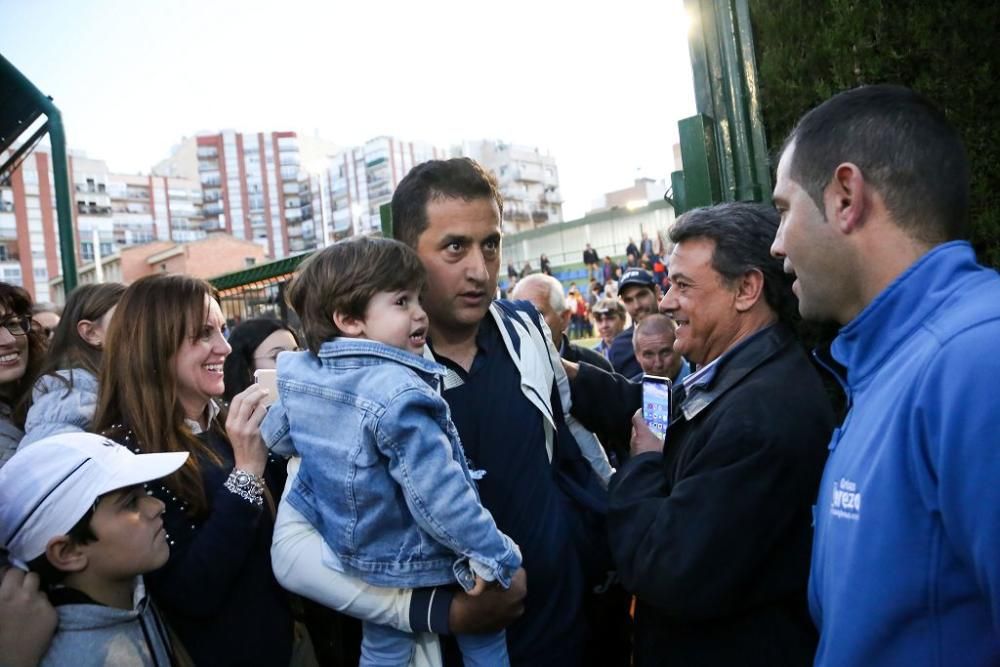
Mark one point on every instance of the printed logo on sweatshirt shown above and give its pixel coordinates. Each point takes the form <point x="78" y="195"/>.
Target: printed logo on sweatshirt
<point x="846" y="501"/>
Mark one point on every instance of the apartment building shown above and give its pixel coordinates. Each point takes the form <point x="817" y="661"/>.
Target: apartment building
<point x="528" y="179"/>
<point x="29" y="252"/>
<point x="255" y="186"/>
<point x="641" y="192"/>
<point x="109" y="211"/>
<point x="358" y="180"/>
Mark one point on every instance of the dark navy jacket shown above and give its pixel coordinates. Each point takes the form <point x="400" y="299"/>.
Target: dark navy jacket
<point x="218" y="591"/>
<point x="713" y="536"/>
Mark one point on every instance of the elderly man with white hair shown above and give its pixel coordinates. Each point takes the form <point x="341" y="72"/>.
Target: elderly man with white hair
<point x="546" y="294"/>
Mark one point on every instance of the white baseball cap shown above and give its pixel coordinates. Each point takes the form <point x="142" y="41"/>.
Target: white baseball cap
<point x="47" y="487"/>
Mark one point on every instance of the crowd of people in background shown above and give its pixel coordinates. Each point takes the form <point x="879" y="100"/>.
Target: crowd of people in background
<point x="437" y="476"/>
<point x="604" y="280"/>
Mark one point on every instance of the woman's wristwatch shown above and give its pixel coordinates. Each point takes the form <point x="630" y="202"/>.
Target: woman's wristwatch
<point x="246" y="485"/>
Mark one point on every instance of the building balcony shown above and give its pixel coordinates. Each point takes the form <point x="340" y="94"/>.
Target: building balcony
<point x="513" y="192"/>
<point x="9" y="253"/>
<point x="293" y="214"/>
<point x="211" y="181"/>
<point x="539" y="217"/>
<point x="552" y="197"/>
<point x="90" y="187"/>
<point x="529" y="174"/>
<point x="379" y="193"/>
<point x="137" y="194"/>
<point x="208" y="153"/>
<point x="213" y="209"/>
<point x="92" y="209"/>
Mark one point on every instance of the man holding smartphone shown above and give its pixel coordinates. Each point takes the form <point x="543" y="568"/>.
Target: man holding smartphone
<point x="711" y="529"/>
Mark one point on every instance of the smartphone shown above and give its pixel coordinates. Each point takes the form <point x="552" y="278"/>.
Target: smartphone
<point x="268" y="379"/>
<point x="656" y="403"/>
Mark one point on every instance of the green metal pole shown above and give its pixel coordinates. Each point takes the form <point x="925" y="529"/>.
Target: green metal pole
<point x="727" y="96"/>
<point x="60" y="171"/>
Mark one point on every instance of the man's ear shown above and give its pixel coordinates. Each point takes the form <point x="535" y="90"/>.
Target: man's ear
<point x="749" y="290"/>
<point x="65" y="554"/>
<point x="565" y="318"/>
<point x="88" y="332"/>
<point x="845" y="198"/>
<point x="350" y="326"/>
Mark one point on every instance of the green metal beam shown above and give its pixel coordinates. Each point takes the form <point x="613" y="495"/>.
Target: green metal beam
<point x="702" y="176"/>
<point x="259" y="273"/>
<point x="64" y="213"/>
<point x="385" y="215"/>
<point x="728" y="103"/>
<point x="18" y="90"/>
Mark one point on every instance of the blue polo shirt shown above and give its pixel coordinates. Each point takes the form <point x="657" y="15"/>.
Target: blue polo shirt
<point x="503" y="434"/>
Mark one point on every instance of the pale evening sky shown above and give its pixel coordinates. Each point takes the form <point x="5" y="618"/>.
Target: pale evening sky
<point x="599" y="85"/>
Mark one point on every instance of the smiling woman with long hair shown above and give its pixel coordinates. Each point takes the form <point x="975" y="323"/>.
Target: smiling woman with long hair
<point x="22" y="351"/>
<point x="158" y="394"/>
<point x="65" y="394"/>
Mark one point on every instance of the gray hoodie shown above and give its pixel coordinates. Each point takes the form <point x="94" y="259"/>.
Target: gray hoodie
<point x="93" y="635"/>
<point x="63" y="401"/>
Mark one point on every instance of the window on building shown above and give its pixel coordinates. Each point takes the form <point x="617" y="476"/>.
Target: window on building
<point x="86" y="250"/>
<point x="106" y="249"/>
<point x="12" y="275"/>
<point x="249" y="261"/>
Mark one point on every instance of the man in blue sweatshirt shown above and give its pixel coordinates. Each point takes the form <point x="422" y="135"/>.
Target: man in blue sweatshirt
<point x="873" y="189"/>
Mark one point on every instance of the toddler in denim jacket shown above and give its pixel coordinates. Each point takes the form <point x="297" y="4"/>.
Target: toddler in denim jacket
<point x="383" y="477"/>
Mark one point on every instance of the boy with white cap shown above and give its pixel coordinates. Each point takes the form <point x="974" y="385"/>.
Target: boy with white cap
<point x="74" y="510"/>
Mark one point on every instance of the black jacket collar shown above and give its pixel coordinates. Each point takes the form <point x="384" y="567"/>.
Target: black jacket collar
<point x="732" y="369"/>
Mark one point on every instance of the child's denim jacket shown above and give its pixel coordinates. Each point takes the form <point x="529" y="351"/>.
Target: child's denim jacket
<point x="384" y="478"/>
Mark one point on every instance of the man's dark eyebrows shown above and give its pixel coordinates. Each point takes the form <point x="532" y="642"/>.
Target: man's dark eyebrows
<point x="679" y="276"/>
<point x="494" y="238"/>
<point x="455" y="238"/>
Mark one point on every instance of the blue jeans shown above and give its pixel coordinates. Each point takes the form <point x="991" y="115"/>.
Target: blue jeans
<point x="384" y="646"/>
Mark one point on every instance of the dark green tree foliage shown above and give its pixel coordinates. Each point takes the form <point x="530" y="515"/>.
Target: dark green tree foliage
<point x="808" y="51"/>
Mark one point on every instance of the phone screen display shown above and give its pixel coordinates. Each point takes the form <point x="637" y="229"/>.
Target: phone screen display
<point x="656" y="403"/>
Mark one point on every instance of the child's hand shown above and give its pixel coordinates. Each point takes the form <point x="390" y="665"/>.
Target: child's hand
<point x="479" y="587"/>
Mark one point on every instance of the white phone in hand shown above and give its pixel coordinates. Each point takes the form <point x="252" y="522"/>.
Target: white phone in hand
<point x="268" y="379"/>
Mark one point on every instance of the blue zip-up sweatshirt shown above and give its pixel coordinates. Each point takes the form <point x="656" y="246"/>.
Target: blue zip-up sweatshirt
<point x="906" y="557"/>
